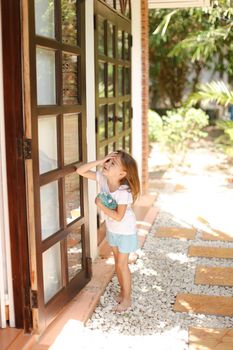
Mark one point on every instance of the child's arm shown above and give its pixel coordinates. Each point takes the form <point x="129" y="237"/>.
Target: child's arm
<point x="115" y="214"/>
<point x="85" y="169"/>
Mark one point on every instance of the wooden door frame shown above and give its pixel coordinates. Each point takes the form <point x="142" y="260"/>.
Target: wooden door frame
<point x="14" y="132"/>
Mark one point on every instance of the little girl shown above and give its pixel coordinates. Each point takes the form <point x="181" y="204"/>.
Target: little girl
<point x="119" y="178"/>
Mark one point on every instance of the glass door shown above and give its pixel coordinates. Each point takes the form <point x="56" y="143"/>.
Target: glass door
<point x="113" y="43"/>
<point x="56" y="127"/>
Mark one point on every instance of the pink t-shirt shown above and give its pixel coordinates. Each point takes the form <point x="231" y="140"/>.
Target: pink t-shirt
<point x="122" y="195"/>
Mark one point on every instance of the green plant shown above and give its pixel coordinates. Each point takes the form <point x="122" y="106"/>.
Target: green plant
<point x="222" y="94"/>
<point x="155" y="124"/>
<point x="216" y="91"/>
<point x="182" y="44"/>
<point x="180" y="128"/>
<point x="225" y="141"/>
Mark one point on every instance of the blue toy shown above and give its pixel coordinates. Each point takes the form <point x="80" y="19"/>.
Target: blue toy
<point x="107" y="200"/>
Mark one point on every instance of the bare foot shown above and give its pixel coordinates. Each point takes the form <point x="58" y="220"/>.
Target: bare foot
<point x="123" y="306"/>
<point x="119" y="298"/>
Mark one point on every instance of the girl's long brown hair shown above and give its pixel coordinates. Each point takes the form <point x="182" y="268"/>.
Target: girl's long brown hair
<point x="131" y="179"/>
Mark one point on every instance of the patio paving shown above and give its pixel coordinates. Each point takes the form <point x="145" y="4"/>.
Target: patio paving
<point x="210" y="252"/>
<point x="217" y="235"/>
<point x="176" y="232"/>
<point x="204" y="304"/>
<point x="218" y="276"/>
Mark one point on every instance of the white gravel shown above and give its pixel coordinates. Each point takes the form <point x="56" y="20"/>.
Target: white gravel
<point x="162" y="270"/>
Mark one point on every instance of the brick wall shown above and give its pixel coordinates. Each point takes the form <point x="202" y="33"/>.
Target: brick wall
<point x="145" y="94"/>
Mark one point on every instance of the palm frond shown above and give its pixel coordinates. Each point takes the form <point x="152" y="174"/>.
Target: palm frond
<point x="215" y="91"/>
<point x="162" y="27"/>
<point x="203" y="44"/>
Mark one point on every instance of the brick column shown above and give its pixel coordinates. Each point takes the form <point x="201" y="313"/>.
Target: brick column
<point x="145" y="93"/>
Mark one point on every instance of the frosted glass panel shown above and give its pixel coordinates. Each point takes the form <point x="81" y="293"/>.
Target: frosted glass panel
<point x="120" y="117"/>
<point x="101" y="35"/>
<point x="70" y="78"/>
<point x="111" y="119"/>
<point x="101" y="123"/>
<point x="110" y="40"/>
<point x="127" y="80"/>
<point x="127" y="143"/>
<point x="49" y="206"/>
<point x="120" y="80"/>
<point x="44" y="17"/>
<point x="111" y="78"/>
<point x="102" y="87"/>
<point x="120" y="44"/>
<point x="47" y="129"/>
<point x="72" y="197"/>
<point x="71" y="138"/>
<point x="52" y="271"/>
<point x="45" y="72"/>
<point x="127" y="114"/>
<point x="74" y="252"/>
<point x="103" y="151"/>
<point x="69" y="22"/>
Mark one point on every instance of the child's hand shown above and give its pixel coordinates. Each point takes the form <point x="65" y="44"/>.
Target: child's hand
<point x="109" y="156"/>
<point x="97" y="201"/>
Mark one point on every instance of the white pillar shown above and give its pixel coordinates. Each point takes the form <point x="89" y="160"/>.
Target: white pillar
<point x="136" y="84"/>
<point x="6" y="289"/>
<point x="91" y="136"/>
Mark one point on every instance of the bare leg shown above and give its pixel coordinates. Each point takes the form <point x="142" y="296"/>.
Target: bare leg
<point x="125" y="278"/>
<point x="119" y="277"/>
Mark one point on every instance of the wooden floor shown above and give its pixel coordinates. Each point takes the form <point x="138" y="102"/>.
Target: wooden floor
<point x="15" y="339"/>
<point x="7" y="336"/>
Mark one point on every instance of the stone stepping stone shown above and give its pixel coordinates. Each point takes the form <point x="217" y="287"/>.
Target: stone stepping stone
<point x="217" y="235"/>
<point x="179" y="187"/>
<point x="176" y="232"/>
<point x="217" y="276"/>
<point x="210" y="338"/>
<point x="204" y="304"/>
<point x="210" y="252"/>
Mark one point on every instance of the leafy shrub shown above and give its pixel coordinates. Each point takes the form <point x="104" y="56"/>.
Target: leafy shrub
<point x="225" y="141"/>
<point x="155" y="126"/>
<point x="181" y="127"/>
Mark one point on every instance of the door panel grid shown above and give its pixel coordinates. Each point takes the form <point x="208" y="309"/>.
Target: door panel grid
<point x="58" y="125"/>
<point x="113" y="76"/>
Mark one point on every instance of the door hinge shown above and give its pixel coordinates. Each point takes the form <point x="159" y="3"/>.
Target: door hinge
<point x="27" y="149"/>
<point x="94" y="22"/>
<point x="34" y="299"/>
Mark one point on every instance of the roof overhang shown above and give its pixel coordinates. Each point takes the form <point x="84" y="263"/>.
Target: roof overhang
<point x="161" y="4"/>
